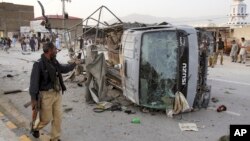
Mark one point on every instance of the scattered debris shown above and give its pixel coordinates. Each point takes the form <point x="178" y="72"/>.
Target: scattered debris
<point x="129" y="111"/>
<point x="26" y="105"/>
<point x="231" y="88"/>
<point x="75" y="101"/>
<point x="12" y="91"/>
<point x="116" y="107"/>
<point x="79" y="84"/>
<point x="221" y="108"/>
<point x="214" y="99"/>
<point x="25" y="71"/>
<point x="16" y="91"/>
<point x="170" y="113"/>
<point x="188" y="127"/>
<point x="9" y="75"/>
<point x="124" y="108"/>
<point x="102" y="106"/>
<point x="145" y="110"/>
<point x="126" y="133"/>
<point x="98" y="109"/>
<point x="136" y="120"/>
<point x="227" y="92"/>
<point x="66" y="110"/>
<point x="105" y="105"/>
<point x="228" y="112"/>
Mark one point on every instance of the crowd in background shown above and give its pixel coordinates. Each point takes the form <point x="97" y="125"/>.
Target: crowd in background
<point x="28" y="43"/>
<point x="5" y="43"/>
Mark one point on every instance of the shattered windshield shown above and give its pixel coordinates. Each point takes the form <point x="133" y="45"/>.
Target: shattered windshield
<point x="158" y="68"/>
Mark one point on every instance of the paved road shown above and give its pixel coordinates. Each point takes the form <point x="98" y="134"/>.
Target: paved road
<point x="5" y="133"/>
<point x="230" y="84"/>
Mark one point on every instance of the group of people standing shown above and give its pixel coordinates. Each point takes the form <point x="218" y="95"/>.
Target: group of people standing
<point x="5" y="43"/>
<point x="33" y="43"/>
<point x="237" y="51"/>
<point x="242" y="52"/>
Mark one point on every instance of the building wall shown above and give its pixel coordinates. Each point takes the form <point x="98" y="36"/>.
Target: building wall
<point x="13" y="16"/>
<point x="58" y="24"/>
<point x="237" y="33"/>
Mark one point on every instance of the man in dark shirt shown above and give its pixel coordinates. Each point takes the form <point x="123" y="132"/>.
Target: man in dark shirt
<point x="220" y="50"/>
<point x="32" y="44"/>
<point x="45" y="85"/>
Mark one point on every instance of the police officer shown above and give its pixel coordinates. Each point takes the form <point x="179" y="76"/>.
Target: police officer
<point x="46" y="85"/>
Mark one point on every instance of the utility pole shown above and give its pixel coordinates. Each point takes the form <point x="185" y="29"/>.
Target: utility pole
<point x="64" y="23"/>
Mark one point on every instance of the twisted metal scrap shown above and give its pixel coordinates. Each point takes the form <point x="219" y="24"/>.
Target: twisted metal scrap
<point x="46" y="24"/>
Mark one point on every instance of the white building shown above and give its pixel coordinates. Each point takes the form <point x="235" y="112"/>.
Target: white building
<point x="238" y="13"/>
<point x="25" y="31"/>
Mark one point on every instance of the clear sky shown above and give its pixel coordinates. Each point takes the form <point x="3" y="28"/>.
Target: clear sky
<point x="158" y="8"/>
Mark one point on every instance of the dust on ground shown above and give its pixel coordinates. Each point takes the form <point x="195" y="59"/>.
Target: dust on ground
<point x="230" y="85"/>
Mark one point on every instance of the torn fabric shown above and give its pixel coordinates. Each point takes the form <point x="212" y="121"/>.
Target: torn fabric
<point x="180" y="105"/>
<point x="97" y="86"/>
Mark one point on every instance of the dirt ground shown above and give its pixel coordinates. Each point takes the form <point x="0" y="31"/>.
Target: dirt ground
<point x="230" y="85"/>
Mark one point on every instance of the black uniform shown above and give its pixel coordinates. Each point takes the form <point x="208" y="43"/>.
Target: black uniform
<point x="44" y="75"/>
